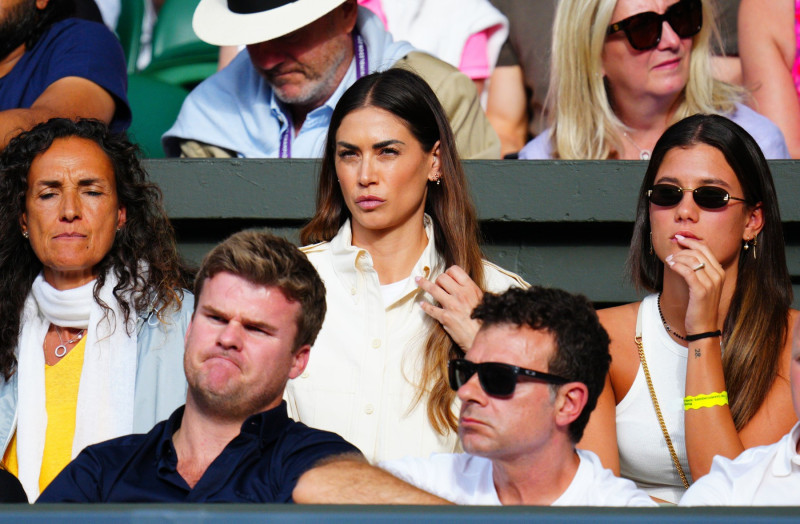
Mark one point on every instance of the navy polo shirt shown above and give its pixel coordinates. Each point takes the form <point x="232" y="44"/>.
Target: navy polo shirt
<point x="262" y="464"/>
<point x="71" y="47"/>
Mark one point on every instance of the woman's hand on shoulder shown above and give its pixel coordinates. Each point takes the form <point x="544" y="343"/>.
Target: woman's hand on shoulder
<point x="704" y="276"/>
<point x="456" y="295"/>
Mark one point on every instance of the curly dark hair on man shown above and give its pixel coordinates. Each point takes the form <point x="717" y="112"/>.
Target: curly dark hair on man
<point x="581" y="341"/>
<point x="144" y="255"/>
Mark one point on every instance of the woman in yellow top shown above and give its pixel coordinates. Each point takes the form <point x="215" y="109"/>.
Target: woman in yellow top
<point x="92" y="307"/>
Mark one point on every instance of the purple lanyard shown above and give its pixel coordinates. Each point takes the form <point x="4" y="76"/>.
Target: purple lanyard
<point x="362" y="68"/>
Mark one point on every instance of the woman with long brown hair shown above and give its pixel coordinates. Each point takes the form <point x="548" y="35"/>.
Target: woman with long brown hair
<point x="397" y="247"/>
<point x="700" y="367"/>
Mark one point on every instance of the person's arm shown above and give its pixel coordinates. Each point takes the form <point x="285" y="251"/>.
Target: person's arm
<point x="711" y="431"/>
<point x="475" y="137"/>
<point x="506" y="108"/>
<point x="349" y="479"/>
<point x="600" y="435"/>
<point x="767" y="49"/>
<point x="69" y="97"/>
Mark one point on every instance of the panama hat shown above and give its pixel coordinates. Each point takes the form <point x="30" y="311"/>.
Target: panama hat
<point x="244" y="22"/>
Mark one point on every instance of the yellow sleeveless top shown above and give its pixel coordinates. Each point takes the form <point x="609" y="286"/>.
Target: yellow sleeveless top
<point x="61" y="400"/>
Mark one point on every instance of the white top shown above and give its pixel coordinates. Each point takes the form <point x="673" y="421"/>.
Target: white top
<point x="419" y="22"/>
<point x="466" y="479"/>
<point x="361" y="378"/>
<point x="760" y="476"/>
<point x="643" y="453"/>
<point x="767" y="135"/>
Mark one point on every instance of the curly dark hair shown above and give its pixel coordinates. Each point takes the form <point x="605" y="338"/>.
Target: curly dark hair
<point x="144" y="255"/>
<point x="581" y="342"/>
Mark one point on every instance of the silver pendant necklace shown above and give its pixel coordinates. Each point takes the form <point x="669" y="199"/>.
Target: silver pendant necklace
<point x="61" y="349"/>
<point x="644" y="154"/>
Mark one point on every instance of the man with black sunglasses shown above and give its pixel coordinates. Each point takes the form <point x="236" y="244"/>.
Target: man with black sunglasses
<point x="527" y="387"/>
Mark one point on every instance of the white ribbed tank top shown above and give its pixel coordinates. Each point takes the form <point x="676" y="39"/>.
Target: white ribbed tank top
<point x="644" y="456"/>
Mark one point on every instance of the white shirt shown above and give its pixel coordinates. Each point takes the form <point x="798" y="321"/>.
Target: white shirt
<point x="760" y="476"/>
<point x="362" y="375"/>
<point x="467" y="479"/>
<point x="643" y="453"/>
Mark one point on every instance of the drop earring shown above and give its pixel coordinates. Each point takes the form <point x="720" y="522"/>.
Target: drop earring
<point x="651" y="242"/>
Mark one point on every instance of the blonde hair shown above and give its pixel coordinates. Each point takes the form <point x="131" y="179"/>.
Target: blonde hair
<point x="583" y="124"/>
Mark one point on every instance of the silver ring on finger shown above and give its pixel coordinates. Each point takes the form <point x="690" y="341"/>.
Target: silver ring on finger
<point x="699" y="266"/>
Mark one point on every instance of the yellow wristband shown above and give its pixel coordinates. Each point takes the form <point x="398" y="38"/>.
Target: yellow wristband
<point x="705" y="401"/>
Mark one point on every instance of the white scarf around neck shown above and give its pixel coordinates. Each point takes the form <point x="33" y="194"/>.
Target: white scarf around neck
<point x="106" y="390"/>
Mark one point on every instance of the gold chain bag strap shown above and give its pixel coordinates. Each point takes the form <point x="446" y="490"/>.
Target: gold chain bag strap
<point x="661" y="422"/>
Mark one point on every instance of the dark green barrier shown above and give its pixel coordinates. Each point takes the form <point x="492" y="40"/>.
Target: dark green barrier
<point x="557" y="223"/>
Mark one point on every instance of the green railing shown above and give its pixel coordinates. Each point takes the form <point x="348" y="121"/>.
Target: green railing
<point x="557" y="223"/>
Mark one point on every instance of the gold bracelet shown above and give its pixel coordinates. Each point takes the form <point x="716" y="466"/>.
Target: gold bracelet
<point x="705" y="401"/>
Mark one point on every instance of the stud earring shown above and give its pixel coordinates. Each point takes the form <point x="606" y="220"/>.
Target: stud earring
<point x="26" y="234"/>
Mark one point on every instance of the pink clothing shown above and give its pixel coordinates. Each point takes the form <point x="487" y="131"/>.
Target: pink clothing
<point x="474" y="62"/>
<point x="796" y="65"/>
<point x="376" y="7"/>
<point x="474" y="58"/>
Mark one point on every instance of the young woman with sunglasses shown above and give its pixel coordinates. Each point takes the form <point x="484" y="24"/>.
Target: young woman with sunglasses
<point x="398" y="252"/>
<point x="709" y="347"/>
<point x="622" y="71"/>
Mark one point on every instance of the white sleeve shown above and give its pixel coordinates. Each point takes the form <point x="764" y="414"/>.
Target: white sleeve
<point x="713" y="489"/>
<point x="413" y="470"/>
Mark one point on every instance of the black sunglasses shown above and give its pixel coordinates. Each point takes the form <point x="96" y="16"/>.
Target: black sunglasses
<point x="644" y="29"/>
<point x="709" y="197"/>
<point x="496" y="379"/>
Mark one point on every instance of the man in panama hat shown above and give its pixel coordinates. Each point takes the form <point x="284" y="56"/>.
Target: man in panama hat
<point x="276" y="100"/>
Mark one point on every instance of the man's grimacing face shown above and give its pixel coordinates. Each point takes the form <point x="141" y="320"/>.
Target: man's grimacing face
<point x="240" y="347"/>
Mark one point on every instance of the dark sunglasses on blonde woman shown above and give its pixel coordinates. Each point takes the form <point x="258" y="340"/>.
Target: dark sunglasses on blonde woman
<point x="644" y="29"/>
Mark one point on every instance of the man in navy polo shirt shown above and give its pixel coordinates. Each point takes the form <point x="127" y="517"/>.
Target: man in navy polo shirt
<point x="259" y="307"/>
<point x="54" y="66"/>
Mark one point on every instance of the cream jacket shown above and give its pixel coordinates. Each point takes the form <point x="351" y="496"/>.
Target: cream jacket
<point x="364" y="366"/>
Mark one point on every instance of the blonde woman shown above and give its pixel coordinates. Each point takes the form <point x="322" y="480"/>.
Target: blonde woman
<point x="624" y="70"/>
